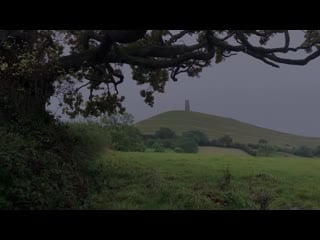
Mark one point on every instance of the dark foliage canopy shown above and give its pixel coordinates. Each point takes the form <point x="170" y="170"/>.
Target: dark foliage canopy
<point x="36" y="64"/>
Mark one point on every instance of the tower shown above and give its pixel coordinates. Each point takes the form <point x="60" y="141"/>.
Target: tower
<point x="187" y="106"/>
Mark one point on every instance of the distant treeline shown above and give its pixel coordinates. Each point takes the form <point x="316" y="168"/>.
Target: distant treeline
<point x="167" y="138"/>
<point x="124" y="136"/>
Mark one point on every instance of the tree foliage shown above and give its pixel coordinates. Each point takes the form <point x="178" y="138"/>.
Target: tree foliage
<point x="36" y="64"/>
<point x="116" y="120"/>
<point x="304" y="151"/>
<point x="264" y="149"/>
<point x="124" y="136"/>
<point x="165" y="133"/>
<point x="200" y="138"/>
<point x="225" y="140"/>
<point x="186" y="144"/>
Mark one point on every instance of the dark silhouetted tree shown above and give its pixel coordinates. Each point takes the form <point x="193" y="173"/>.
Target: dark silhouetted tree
<point x="304" y="151"/>
<point x="165" y="133"/>
<point x="265" y="150"/>
<point x="200" y="137"/>
<point x="186" y="144"/>
<point x="226" y="140"/>
<point x="262" y="141"/>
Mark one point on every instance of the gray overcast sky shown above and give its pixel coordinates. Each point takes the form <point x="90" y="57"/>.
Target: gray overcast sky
<point x="243" y="88"/>
<point x="285" y="99"/>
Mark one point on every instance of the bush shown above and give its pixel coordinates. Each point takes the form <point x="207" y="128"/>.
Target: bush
<point x="187" y="144"/>
<point x="178" y="150"/>
<point x="265" y="150"/>
<point x="214" y="142"/>
<point x="165" y="133"/>
<point x="126" y="138"/>
<point x="158" y="147"/>
<point x="253" y="146"/>
<point x="241" y="146"/>
<point x="168" y="143"/>
<point x="200" y="138"/>
<point x="149" y="143"/>
<point x="43" y="168"/>
<point x="225" y="141"/>
<point x="316" y="151"/>
<point x="304" y="151"/>
<point x="262" y="141"/>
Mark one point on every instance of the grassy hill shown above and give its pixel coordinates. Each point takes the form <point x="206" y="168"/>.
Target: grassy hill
<point x="216" y="126"/>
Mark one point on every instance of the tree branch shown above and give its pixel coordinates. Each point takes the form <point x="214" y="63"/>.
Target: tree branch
<point x="162" y="51"/>
<point x="294" y="61"/>
<point x="175" y="37"/>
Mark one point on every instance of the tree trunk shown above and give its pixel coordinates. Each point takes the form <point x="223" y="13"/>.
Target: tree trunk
<point x="24" y="102"/>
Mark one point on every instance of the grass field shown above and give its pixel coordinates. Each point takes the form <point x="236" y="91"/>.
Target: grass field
<point x="206" y="181"/>
<point x="215" y="126"/>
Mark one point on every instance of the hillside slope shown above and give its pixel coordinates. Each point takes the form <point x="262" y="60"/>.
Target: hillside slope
<point x="216" y="126"/>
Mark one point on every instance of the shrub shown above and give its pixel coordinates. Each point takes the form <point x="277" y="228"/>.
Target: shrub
<point x="262" y="141"/>
<point x="126" y="138"/>
<point x="316" y="151"/>
<point x="265" y="150"/>
<point x="43" y="168"/>
<point x="149" y="143"/>
<point x="304" y="151"/>
<point x="158" y="147"/>
<point x="187" y="144"/>
<point x="226" y="140"/>
<point x="253" y="146"/>
<point x="165" y="133"/>
<point x="263" y="198"/>
<point x="168" y="143"/>
<point x="200" y="138"/>
<point x="178" y="150"/>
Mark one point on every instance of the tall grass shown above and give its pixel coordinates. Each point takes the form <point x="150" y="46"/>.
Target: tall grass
<point x="202" y="181"/>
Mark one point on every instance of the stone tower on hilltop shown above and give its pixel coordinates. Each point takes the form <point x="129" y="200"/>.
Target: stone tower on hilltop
<point x="187" y="106"/>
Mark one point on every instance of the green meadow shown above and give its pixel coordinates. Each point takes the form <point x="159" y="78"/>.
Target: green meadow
<point x="222" y="181"/>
